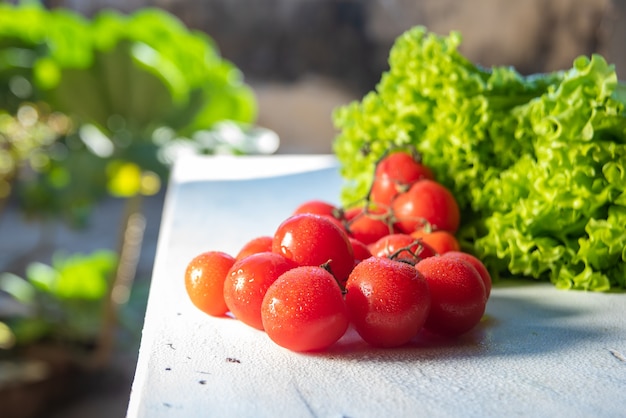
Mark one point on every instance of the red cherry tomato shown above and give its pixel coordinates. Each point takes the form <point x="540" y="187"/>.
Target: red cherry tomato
<point x="360" y="250"/>
<point x="318" y="207"/>
<point x="370" y="225"/>
<point x="427" y="201"/>
<point x="388" y="301"/>
<point x="304" y="310"/>
<point x="478" y="265"/>
<point x="323" y="208"/>
<point x="255" y="245"/>
<point x="351" y="213"/>
<point x="314" y="240"/>
<point x="204" y="281"/>
<point x="394" y="174"/>
<point x="401" y="247"/>
<point x="457" y="292"/>
<point x="440" y="240"/>
<point x="248" y="280"/>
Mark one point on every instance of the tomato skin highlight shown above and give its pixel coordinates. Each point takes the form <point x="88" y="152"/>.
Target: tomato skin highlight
<point x="204" y="281"/>
<point x="304" y="310"/>
<point x="247" y="281"/>
<point x="388" y="301"/>
<point x="313" y="240"/>
<point x="458" y="297"/>
<point x="427" y="201"/>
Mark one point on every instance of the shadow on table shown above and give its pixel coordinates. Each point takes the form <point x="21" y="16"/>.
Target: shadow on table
<point x="511" y="326"/>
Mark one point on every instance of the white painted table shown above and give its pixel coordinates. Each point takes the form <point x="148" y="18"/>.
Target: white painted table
<point x="539" y="352"/>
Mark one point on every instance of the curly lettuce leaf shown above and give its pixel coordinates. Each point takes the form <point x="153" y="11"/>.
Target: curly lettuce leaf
<point x="537" y="163"/>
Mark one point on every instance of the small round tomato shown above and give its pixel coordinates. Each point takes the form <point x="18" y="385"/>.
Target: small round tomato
<point x="360" y="250"/>
<point x="457" y="292"/>
<point x="314" y="240"/>
<point x="351" y="213"/>
<point x="388" y="301"/>
<point x="323" y="208"/>
<point x="394" y="174"/>
<point x="478" y="265"/>
<point x="255" y="245"/>
<point x="304" y="310"/>
<point x="318" y="207"/>
<point x="401" y="247"/>
<point x="426" y="202"/>
<point x="248" y="280"/>
<point x="370" y="225"/>
<point x="204" y="281"/>
<point x="440" y="240"/>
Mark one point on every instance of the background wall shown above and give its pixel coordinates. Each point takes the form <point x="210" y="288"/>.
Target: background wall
<point x="305" y="57"/>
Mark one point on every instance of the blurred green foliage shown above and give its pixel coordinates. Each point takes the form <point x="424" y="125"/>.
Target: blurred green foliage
<point x="131" y="86"/>
<point x="62" y="301"/>
<point x="92" y="108"/>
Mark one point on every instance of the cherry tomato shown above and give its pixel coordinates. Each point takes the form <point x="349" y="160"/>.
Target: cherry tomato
<point x="204" y="281"/>
<point x="401" y="247"/>
<point x="427" y="201"/>
<point x="394" y="174"/>
<point x="388" y="301"/>
<point x="353" y="212"/>
<point x="478" y="265"/>
<point x="255" y="245"/>
<point x="370" y="225"/>
<point x="319" y="207"/>
<point x="323" y="208"/>
<point x="440" y="240"/>
<point x="360" y="250"/>
<point x="457" y="292"/>
<point x="314" y="240"/>
<point x="304" y="310"/>
<point x="248" y="280"/>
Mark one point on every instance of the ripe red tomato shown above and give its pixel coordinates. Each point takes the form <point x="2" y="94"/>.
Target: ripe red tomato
<point x="401" y="247"/>
<point x="304" y="310"/>
<point x="427" y="201"/>
<point x="248" y="280"/>
<point x="360" y="250"/>
<point x="388" y="301"/>
<point x="323" y="208"/>
<point x="370" y="225"/>
<point x="478" y="265"/>
<point x="255" y="245"/>
<point x="394" y="174"/>
<point x="457" y="292"/>
<point x="204" y="281"/>
<point x="440" y="240"/>
<point x="313" y="240"/>
<point x="351" y="213"/>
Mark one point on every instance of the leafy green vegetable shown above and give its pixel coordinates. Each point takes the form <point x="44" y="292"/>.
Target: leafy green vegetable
<point x="537" y="163"/>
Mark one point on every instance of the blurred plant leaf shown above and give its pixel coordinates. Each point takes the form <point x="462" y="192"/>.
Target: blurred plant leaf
<point x="17" y="287"/>
<point x="83" y="276"/>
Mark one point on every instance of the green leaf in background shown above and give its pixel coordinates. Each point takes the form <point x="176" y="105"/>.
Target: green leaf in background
<point x="42" y="276"/>
<point x="17" y="287"/>
<point x="83" y="276"/>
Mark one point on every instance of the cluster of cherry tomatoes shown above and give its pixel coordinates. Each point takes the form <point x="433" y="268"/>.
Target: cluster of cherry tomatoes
<point x="389" y="266"/>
